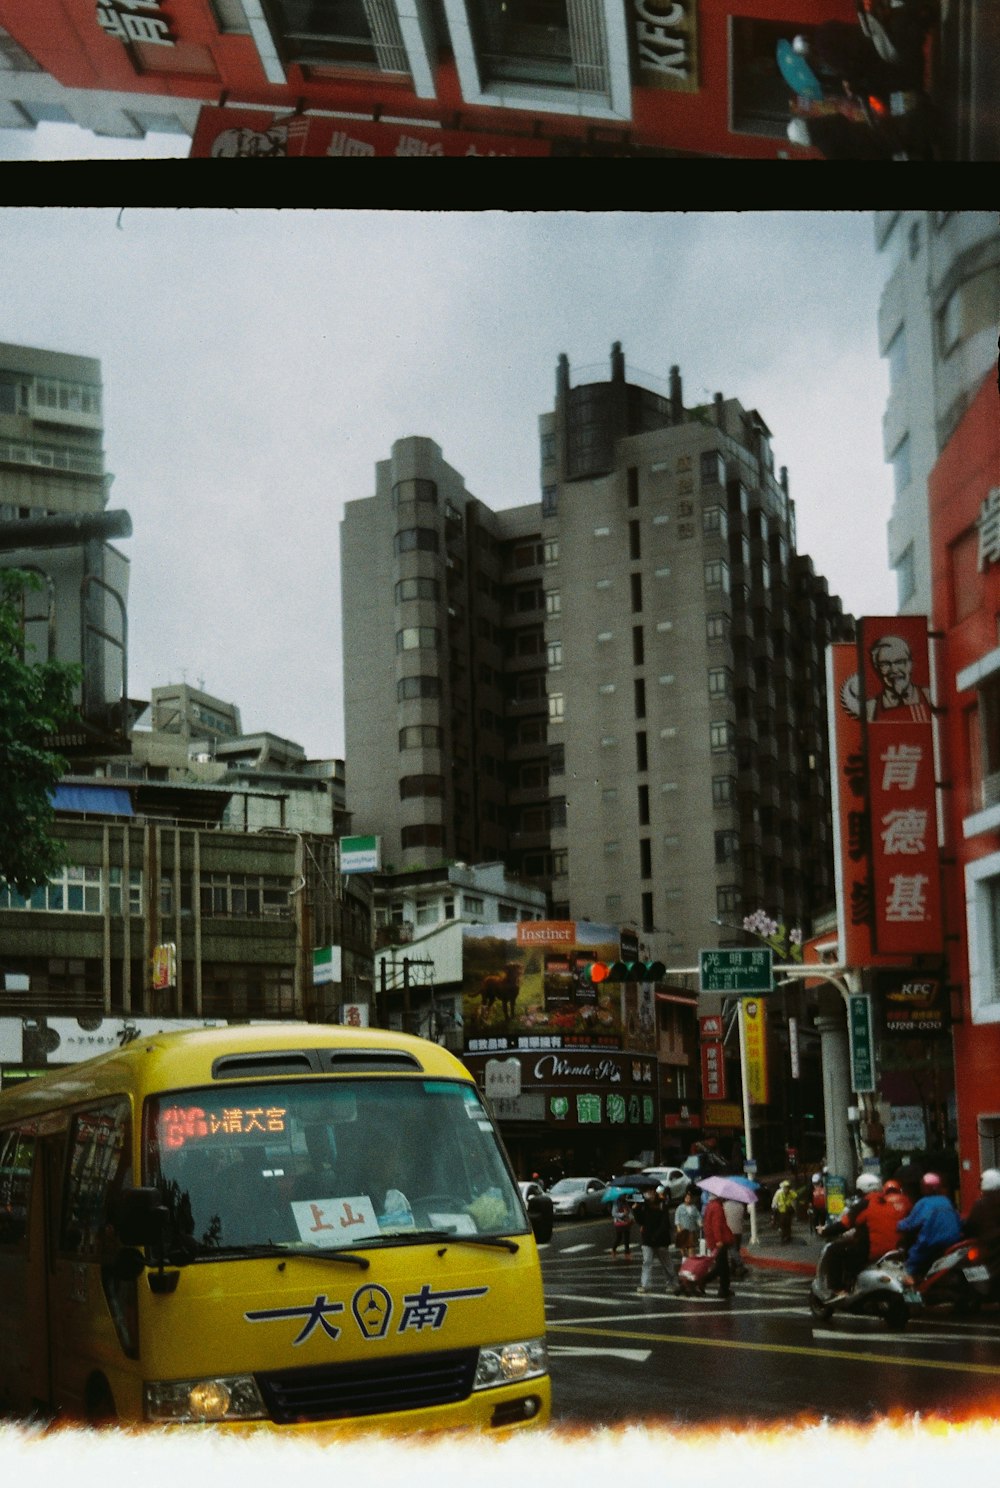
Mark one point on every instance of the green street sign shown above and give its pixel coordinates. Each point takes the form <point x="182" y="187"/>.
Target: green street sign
<point x="859" y="1027"/>
<point x="737" y="971"/>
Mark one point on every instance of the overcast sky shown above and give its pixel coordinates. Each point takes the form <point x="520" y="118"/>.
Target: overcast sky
<point x="68" y="142"/>
<point x="257" y="363"/>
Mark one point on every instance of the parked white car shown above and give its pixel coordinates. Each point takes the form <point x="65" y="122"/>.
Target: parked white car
<point x="577" y="1196"/>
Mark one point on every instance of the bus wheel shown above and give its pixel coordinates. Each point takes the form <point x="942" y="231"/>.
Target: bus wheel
<point x="99" y="1404"/>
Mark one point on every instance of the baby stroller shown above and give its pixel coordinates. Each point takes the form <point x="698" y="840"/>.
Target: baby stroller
<point x="694" y="1274"/>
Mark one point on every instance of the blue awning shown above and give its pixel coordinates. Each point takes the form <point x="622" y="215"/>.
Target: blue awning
<point x="96" y="800"/>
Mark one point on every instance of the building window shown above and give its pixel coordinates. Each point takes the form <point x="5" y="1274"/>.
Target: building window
<point x="417" y="588"/>
<point x="906" y="578"/>
<point x="900" y="462"/>
<point x="634" y="542"/>
<point x="728" y="900"/>
<point x="713" y="468"/>
<point x="420" y="785"/>
<point x="609" y="795"/>
<point x="639" y="688"/>
<point x="416" y="539"/>
<point x="472" y="904"/>
<point x="632" y="485"/>
<point x="77" y="890"/>
<point x="557" y="811"/>
<point x="67" y="397"/>
<point x="247" y="896"/>
<point x="645" y="858"/>
<point x="426" y="834"/>
<point x="420" y="736"/>
<point x="636" y="583"/>
<point x="557" y="759"/>
<point x="612" y="849"/>
<point x="720" y="682"/>
<point x="418" y="637"/>
<point x="550" y="501"/>
<point x="727" y="847"/>
<point x="427" y="912"/>
<point x="548" y="448"/>
<point x="715" y="522"/>
<point x="554" y="655"/>
<point x="722" y="736"/>
<point x="641" y="752"/>
<point x="417" y="687"/>
<point x="982" y="895"/>
<point x="644" y="805"/>
<point x="553" y="602"/>
<point x="556" y="707"/>
<point x="602" y="531"/>
<point x="606" y="688"/>
<point x="717" y="575"/>
<point x="950" y="322"/>
<point x="723" y="790"/>
<point x="550" y="552"/>
<point x="896" y="357"/>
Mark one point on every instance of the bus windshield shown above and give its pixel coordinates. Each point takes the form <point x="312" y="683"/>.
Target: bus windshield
<point x="342" y="1164"/>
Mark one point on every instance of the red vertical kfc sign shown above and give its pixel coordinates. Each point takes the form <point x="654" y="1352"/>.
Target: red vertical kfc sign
<point x="894" y="670"/>
<point x="888" y="876"/>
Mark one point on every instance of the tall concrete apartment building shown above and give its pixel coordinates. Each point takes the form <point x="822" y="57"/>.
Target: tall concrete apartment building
<point x="938" y="319"/>
<point x="54" y="521"/>
<point x="619" y="690"/>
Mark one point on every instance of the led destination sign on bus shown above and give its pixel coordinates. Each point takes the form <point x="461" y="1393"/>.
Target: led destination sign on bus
<point x="182" y="1124"/>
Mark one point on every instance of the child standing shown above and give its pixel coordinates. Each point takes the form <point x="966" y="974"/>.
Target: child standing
<point x="687" y="1219"/>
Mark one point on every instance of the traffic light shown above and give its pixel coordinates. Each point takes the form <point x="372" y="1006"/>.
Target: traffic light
<point x="625" y="971"/>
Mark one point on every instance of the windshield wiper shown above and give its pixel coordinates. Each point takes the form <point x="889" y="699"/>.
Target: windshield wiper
<point x="498" y="1242"/>
<point x="306" y="1252"/>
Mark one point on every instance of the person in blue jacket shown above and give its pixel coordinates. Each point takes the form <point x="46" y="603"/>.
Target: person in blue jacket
<point x="930" y="1227"/>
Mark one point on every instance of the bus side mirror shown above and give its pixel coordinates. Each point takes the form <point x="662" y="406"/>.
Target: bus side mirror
<point x="139" y="1217"/>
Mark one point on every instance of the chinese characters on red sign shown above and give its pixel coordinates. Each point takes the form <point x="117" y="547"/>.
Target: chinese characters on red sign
<point x="713" y="1070"/>
<point x="224" y="133"/>
<point x="899" y="754"/>
<point x="131" y="21"/>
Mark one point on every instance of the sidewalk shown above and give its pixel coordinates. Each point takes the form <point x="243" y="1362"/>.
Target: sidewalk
<point x="801" y="1254"/>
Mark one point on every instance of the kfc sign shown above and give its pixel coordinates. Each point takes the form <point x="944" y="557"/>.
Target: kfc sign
<point x="899" y="754"/>
<point x="224" y="133"/>
<point x="135" y="20"/>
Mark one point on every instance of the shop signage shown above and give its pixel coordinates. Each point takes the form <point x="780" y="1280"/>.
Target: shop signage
<point x="989" y="530"/>
<point x="913" y="1004"/>
<point x="164" y="967"/>
<point x="518" y="1108"/>
<point x="360" y="854"/>
<point x="667" y="38"/>
<point x="713" y="1070"/>
<point x="905" y="1130"/>
<point x="711" y="1027"/>
<point x="224" y="133"/>
<point x="355" y="1015"/>
<point x="754" y="1015"/>
<point x="723" y="1114"/>
<point x="899" y="753"/>
<point x="135" y="20"/>
<point x="503" y="1078"/>
<point x="859" y="1027"/>
<point x="326" y="962"/>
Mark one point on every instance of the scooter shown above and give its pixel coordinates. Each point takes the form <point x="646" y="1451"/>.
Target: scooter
<point x="960" y="1279"/>
<point x="897" y="29"/>
<point x="877" y="1292"/>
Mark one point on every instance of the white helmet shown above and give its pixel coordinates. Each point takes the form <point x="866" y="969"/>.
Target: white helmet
<point x="868" y="1183"/>
<point x="990" y="1181"/>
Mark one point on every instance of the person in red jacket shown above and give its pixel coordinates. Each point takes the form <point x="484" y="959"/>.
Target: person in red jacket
<point x="718" y="1238"/>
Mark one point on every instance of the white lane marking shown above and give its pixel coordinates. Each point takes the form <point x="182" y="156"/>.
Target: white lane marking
<point x="573" y="1249"/>
<point x="677" y="1313"/>
<point x="634" y="1356"/>
<point x="885" y="1336"/>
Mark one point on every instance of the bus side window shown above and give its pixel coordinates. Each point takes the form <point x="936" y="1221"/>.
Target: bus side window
<point x="98" y="1163"/>
<point x="17" y="1152"/>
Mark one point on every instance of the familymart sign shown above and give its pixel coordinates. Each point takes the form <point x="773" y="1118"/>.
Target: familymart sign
<point x="667" y="39"/>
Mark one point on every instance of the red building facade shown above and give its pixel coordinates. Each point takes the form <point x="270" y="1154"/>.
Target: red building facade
<point x="625" y="76"/>
<point x="964" y="495"/>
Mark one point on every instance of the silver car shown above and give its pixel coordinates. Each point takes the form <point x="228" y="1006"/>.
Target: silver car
<point x="674" y="1180"/>
<point x="577" y="1196"/>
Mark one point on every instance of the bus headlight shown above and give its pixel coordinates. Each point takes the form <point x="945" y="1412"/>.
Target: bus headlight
<point x="510" y="1363"/>
<point x="225" y="1398"/>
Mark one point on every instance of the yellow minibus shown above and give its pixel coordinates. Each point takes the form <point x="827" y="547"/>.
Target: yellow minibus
<point x="277" y="1227"/>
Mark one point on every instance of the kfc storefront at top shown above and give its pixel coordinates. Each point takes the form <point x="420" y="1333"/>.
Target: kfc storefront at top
<point x="670" y="75"/>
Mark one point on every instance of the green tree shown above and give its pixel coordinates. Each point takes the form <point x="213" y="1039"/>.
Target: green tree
<point x="36" y="700"/>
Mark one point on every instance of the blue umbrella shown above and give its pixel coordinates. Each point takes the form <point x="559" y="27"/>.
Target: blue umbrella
<point x="750" y="1182"/>
<point x="797" y="73"/>
<point x="610" y="1194"/>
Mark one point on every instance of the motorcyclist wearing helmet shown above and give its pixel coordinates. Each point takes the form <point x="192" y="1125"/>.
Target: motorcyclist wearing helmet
<point x="849" y="1237"/>
<point x="982" y="1222"/>
<point x="930" y="1227"/>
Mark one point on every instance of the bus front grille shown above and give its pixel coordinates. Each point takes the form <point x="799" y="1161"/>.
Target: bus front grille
<point x="328" y="1392"/>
